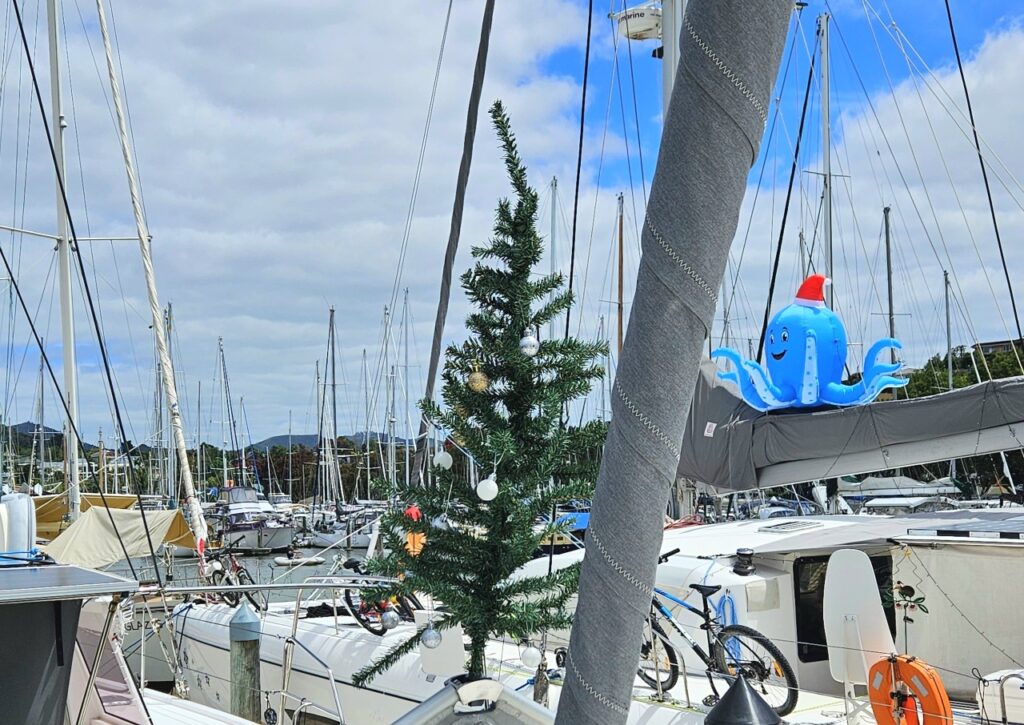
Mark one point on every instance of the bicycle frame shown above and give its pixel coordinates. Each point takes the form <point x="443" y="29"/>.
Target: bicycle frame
<point x="705" y="657"/>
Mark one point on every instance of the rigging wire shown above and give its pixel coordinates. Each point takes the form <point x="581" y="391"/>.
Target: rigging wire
<point x="455" y="230"/>
<point x="407" y="231"/>
<point x="899" y="40"/>
<point x="776" y="118"/>
<point x="72" y="242"/>
<point x="579" y="160"/>
<point x="636" y="115"/>
<point x="785" y="210"/>
<point x="984" y="173"/>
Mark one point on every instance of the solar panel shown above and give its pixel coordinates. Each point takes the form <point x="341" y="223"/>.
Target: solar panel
<point x="51" y="583"/>
<point x="1010" y="528"/>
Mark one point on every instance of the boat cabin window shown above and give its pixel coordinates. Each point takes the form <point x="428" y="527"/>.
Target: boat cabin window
<point x="809" y="587"/>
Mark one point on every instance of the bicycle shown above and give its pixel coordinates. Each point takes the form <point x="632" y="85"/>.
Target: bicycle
<point x="733" y="650"/>
<point x="234" y="573"/>
<point x="370" y="614"/>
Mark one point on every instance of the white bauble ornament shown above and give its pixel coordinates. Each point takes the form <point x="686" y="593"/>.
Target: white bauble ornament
<point x="443" y="460"/>
<point x="487" y="489"/>
<point x="431" y="638"/>
<point x="390" y="619"/>
<point x="530" y="657"/>
<point x="529" y="345"/>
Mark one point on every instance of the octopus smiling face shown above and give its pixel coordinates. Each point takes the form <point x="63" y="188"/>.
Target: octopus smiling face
<point x="788" y="351"/>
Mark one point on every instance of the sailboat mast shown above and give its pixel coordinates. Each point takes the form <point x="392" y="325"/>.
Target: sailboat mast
<point x="826" y="152"/>
<point x="405" y="387"/>
<point x="41" y="426"/>
<point x="291" y="453"/>
<point x="671" y="25"/>
<point x="622" y="265"/>
<point x="67" y="319"/>
<point x="318" y="484"/>
<point x="333" y="447"/>
<point x="553" y="261"/>
<point x="888" y="277"/>
<point x="199" y="434"/>
<point x="366" y="439"/>
<point x="196" y="520"/>
<point x="949" y="355"/>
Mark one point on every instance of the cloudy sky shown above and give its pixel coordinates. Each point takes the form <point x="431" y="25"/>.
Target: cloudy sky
<point x="277" y="145"/>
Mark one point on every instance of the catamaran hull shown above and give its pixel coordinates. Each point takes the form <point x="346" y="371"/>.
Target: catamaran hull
<point x="204" y="650"/>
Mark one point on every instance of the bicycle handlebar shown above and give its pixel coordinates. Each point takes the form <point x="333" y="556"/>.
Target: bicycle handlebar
<point x="667" y="555"/>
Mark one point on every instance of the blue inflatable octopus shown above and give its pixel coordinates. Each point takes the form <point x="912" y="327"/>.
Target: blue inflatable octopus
<point x="806" y="346"/>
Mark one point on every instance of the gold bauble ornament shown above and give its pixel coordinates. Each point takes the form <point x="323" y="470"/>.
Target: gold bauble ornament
<point x="478" y="381"/>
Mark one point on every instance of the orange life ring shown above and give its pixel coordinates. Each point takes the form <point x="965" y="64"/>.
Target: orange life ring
<point x="905" y="691"/>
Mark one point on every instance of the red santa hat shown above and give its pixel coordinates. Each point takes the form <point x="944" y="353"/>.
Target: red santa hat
<point x="812" y="291"/>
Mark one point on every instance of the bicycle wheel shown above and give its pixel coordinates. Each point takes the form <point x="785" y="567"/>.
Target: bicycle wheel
<point x="740" y="650"/>
<point x="256" y="599"/>
<point x="219" y="578"/>
<point x="367" y="614"/>
<point x="658" y="659"/>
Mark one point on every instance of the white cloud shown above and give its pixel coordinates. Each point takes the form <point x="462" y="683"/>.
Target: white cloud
<point x="277" y="146"/>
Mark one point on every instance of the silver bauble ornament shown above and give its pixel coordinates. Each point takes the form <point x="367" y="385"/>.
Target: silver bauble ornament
<point x="431" y="638"/>
<point x="390" y="619"/>
<point x="529" y="345"/>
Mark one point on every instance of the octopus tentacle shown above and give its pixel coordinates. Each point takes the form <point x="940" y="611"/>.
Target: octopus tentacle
<point x="840" y="394"/>
<point x="872" y="368"/>
<point x="753" y="382"/>
<point x="770" y="396"/>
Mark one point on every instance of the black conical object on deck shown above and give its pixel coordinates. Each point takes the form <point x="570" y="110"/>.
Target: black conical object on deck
<point x="741" y="705"/>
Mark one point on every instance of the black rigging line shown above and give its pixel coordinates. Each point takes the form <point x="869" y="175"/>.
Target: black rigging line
<point x="579" y="159"/>
<point x="984" y="173"/>
<point x="84" y="279"/>
<point x="63" y="401"/>
<point x="636" y="111"/>
<point x="785" y="210"/>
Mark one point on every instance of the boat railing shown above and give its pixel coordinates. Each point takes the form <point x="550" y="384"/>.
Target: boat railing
<point x="356" y="581"/>
<point x="303" y="702"/>
<point x="1017" y="675"/>
<point x="319" y="583"/>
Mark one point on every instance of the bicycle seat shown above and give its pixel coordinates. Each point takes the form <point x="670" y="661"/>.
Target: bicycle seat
<point x="352" y="563"/>
<point x="705" y="590"/>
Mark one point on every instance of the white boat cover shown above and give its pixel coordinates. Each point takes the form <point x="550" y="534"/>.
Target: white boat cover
<point x="92" y="541"/>
<point x="730" y="446"/>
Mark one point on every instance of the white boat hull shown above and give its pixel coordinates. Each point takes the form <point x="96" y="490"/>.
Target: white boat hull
<point x="260" y="540"/>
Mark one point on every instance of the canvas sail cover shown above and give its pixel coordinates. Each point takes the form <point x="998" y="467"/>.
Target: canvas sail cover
<point x="52" y="509"/>
<point x="92" y="541"/>
<point x="730" y="446"/>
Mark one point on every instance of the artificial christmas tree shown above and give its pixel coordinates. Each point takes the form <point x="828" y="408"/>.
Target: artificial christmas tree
<point x="505" y="396"/>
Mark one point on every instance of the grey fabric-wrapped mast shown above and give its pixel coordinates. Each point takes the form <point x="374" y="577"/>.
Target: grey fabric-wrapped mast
<point x="730" y="53"/>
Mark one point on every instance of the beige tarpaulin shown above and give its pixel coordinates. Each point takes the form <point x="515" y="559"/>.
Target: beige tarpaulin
<point x="52" y="509"/>
<point x="92" y="540"/>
